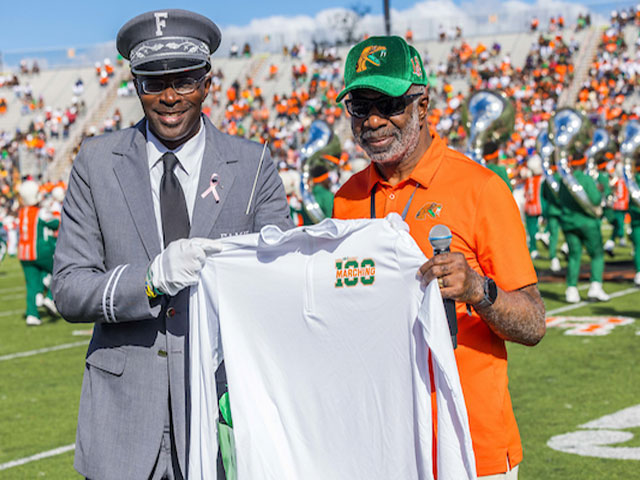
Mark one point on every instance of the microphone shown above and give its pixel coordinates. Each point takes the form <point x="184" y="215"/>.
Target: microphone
<point x="440" y="239"/>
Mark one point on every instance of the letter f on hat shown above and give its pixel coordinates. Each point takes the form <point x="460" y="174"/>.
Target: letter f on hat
<point x="160" y="23"/>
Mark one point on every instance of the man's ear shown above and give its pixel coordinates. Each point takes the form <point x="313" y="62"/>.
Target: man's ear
<point x="207" y="86"/>
<point x="423" y="105"/>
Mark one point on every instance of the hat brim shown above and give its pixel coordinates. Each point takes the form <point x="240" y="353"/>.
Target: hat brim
<point x="169" y="66"/>
<point x="394" y="87"/>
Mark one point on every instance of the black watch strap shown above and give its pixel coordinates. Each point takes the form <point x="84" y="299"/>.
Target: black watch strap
<point x="490" y="294"/>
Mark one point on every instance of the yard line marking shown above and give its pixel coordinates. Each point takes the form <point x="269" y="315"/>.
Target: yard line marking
<point x="12" y="289"/>
<point x="573" y="306"/>
<point x="11" y="312"/>
<point x="12" y="297"/>
<point x="64" y="346"/>
<point x="38" y="456"/>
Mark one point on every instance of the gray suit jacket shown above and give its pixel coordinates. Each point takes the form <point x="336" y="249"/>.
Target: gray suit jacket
<point x="108" y="238"/>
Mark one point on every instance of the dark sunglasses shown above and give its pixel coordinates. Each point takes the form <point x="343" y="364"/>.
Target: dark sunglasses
<point x="181" y="85"/>
<point x="386" y="106"/>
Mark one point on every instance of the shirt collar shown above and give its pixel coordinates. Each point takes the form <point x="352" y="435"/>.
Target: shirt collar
<point x="187" y="153"/>
<point x="423" y="172"/>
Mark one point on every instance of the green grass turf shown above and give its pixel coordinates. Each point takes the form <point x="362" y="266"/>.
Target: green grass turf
<point x="560" y="384"/>
<point x="39" y="394"/>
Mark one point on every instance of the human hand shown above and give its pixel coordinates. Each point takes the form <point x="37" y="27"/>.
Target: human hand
<point x="179" y="265"/>
<point x="457" y="280"/>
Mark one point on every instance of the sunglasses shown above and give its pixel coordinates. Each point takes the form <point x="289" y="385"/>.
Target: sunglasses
<point x="386" y="106"/>
<point x="181" y="85"/>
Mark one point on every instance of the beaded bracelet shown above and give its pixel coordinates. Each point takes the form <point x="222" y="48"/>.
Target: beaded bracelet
<point x="149" y="288"/>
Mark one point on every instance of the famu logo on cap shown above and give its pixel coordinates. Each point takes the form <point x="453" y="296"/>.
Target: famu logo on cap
<point x="385" y="64"/>
<point x="374" y="55"/>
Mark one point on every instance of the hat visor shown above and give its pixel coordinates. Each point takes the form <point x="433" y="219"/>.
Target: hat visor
<point x="166" y="66"/>
<point x="394" y="87"/>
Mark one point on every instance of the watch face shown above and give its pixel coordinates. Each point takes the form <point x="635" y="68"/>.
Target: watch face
<point x="492" y="292"/>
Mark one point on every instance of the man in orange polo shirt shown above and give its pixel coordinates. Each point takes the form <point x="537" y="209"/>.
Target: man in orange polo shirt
<point x="489" y="269"/>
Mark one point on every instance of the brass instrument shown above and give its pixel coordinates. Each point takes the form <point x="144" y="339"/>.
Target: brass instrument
<point x="545" y="149"/>
<point x="630" y="147"/>
<point x="602" y="143"/>
<point x="322" y="141"/>
<point x="486" y="115"/>
<point x="570" y="132"/>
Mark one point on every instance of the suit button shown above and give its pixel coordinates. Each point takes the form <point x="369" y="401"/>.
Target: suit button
<point x="162" y="353"/>
<point x="171" y="312"/>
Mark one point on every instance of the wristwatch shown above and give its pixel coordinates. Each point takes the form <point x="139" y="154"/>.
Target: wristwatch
<point x="490" y="293"/>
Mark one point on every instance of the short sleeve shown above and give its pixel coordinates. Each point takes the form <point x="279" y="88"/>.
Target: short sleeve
<point x="501" y="239"/>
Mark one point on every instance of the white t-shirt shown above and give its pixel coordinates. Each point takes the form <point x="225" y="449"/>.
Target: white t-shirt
<point x="326" y="332"/>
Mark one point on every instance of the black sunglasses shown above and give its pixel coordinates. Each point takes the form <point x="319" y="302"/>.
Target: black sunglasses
<point x="181" y="85"/>
<point x="386" y="106"/>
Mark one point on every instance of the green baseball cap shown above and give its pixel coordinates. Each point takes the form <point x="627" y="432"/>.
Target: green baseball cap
<point x="387" y="65"/>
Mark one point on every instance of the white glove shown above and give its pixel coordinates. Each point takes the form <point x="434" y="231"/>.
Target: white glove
<point x="179" y="265"/>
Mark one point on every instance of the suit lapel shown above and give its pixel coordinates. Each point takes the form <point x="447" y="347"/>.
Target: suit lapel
<point x="206" y="210"/>
<point x="132" y="170"/>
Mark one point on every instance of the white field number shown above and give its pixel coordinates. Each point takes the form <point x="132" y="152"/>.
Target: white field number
<point x="601" y="438"/>
<point x="588" y="326"/>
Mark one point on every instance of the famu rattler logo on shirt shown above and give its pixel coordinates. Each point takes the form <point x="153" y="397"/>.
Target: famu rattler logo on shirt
<point x="350" y="272"/>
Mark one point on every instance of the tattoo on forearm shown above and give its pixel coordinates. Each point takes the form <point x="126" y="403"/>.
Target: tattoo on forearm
<point x="518" y="316"/>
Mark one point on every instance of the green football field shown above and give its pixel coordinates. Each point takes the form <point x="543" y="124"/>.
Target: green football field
<point x="557" y="387"/>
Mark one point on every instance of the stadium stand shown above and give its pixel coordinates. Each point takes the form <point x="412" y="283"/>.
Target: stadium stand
<point x="277" y="95"/>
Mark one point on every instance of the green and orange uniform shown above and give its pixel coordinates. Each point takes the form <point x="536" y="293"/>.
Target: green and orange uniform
<point x="581" y="229"/>
<point x="450" y="189"/>
<point x="634" y="213"/>
<point x="3" y="241"/>
<point x="36" y="245"/>
<point x="532" y="207"/>
<point x="324" y="197"/>
<point x="551" y="213"/>
<point x="619" y="209"/>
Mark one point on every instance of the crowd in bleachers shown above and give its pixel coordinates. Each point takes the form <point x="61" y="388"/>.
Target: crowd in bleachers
<point x="48" y="126"/>
<point x="533" y="87"/>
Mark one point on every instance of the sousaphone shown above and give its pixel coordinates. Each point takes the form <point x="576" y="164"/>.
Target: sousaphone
<point x="570" y="132"/>
<point x="486" y="115"/>
<point x="630" y="147"/>
<point x="602" y="143"/>
<point x="545" y="149"/>
<point x="322" y="142"/>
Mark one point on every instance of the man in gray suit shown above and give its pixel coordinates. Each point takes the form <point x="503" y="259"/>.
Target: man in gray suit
<point x="139" y="217"/>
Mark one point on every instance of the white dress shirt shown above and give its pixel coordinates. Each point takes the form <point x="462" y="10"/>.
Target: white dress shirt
<point x="189" y="156"/>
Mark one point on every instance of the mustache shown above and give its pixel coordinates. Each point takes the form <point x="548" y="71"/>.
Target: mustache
<point x="370" y="134"/>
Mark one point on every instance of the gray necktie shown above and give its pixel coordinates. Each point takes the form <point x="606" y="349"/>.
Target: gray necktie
<point x="173" y="207"/>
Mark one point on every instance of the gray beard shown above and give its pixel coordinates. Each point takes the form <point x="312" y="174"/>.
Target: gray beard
<point x="404" y="144"/>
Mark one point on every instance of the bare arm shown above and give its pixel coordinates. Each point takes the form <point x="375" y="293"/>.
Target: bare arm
<point x="517" y="316"/>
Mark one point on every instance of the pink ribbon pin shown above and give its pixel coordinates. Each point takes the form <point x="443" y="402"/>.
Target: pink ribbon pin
<point x="212" y="188"/>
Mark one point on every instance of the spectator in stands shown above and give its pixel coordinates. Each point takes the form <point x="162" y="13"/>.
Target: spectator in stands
<point x="408" y="36"/>
<point x="534" y="24"/>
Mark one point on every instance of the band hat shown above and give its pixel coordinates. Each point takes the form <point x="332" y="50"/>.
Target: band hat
<point x="387" y="65"/>
<point x="168" y="41"/>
